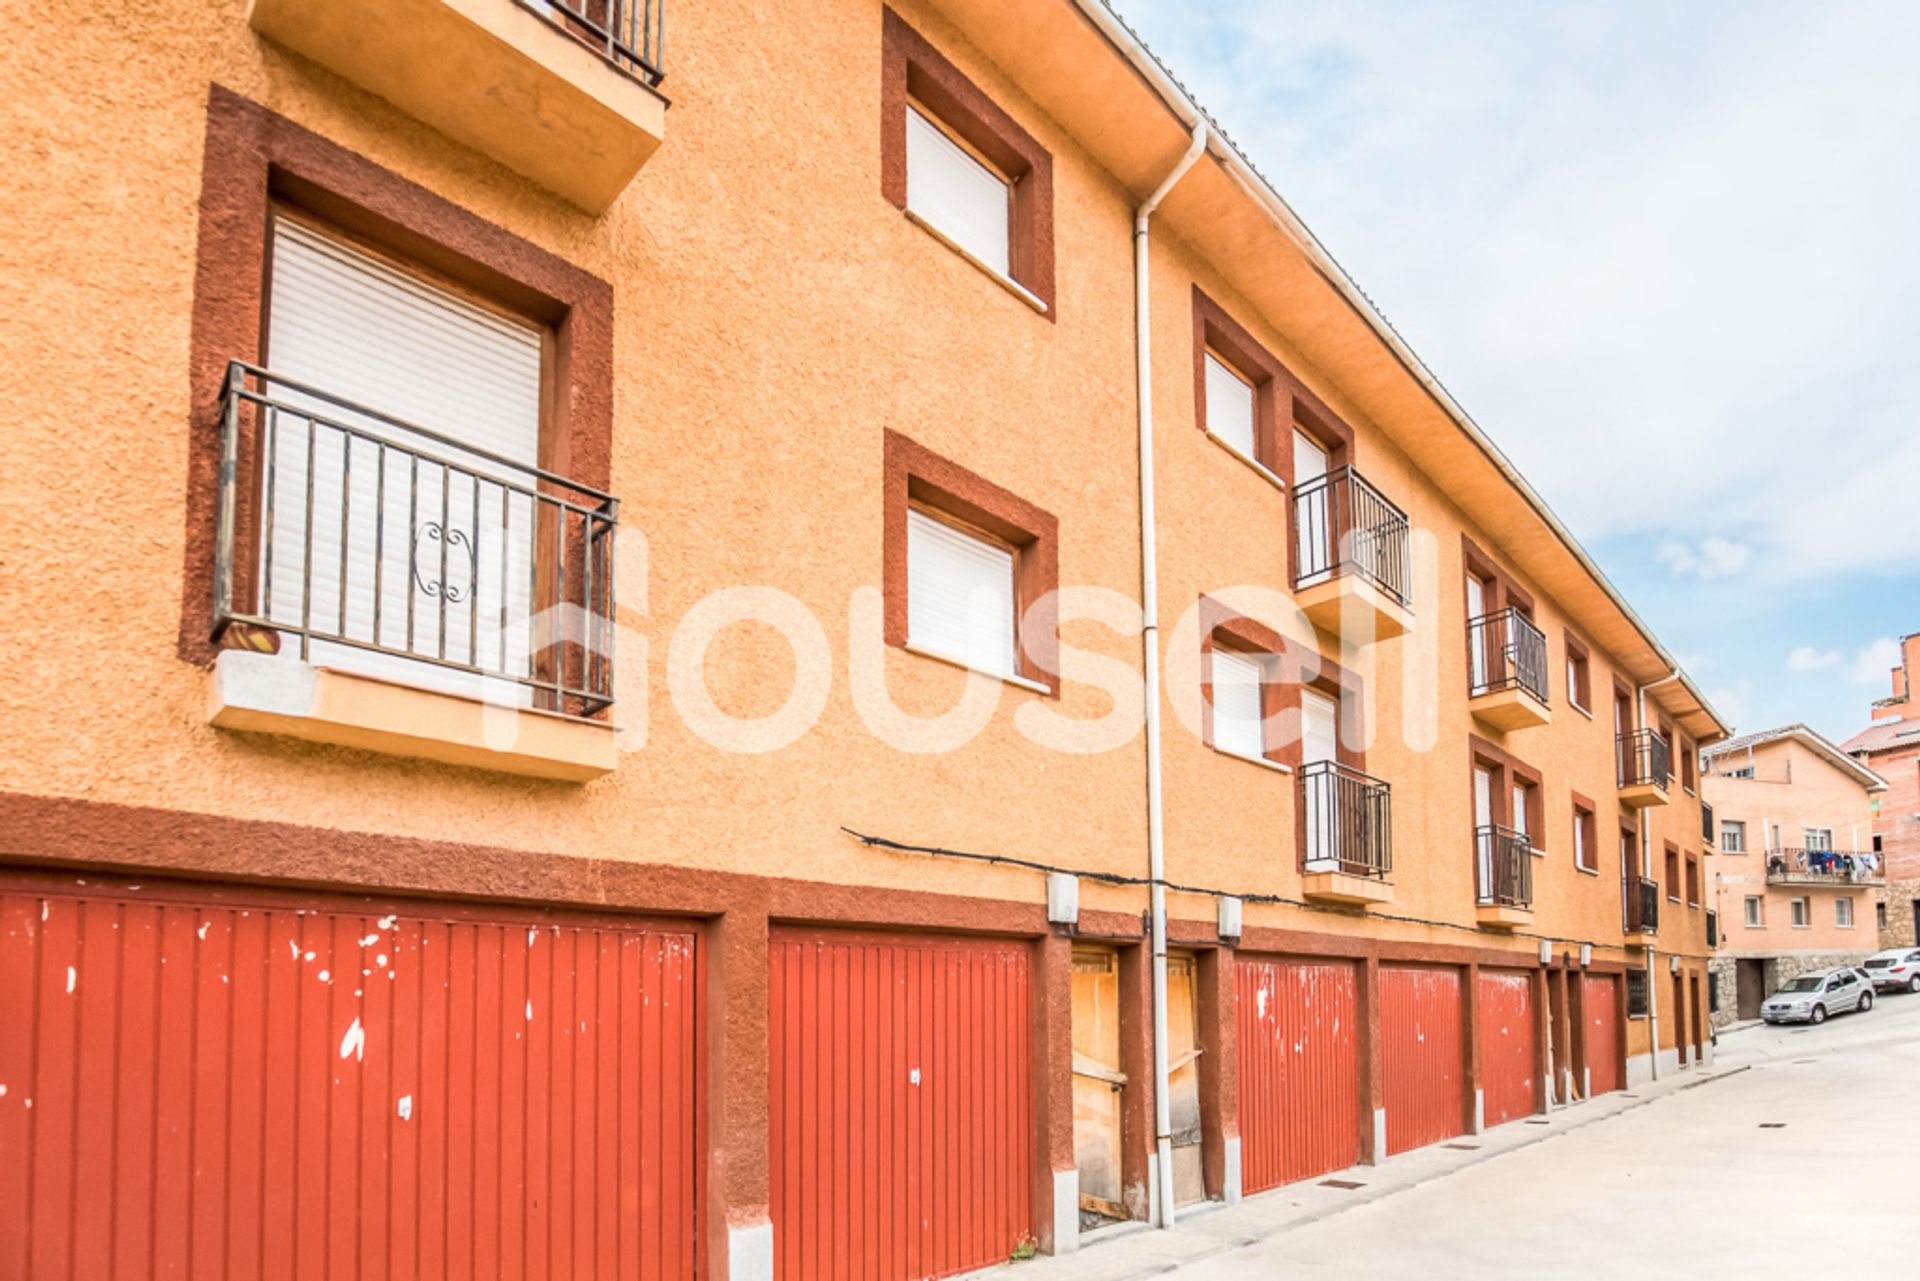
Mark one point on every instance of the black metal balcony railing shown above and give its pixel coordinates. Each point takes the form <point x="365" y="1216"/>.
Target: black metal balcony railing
<point x="1506" y="651"/>
<point x="374" y="543"/>
<point x="1348" y="820"/>
<point x="1706" y="824"/>
<point x="1643" y="905"/>
<point x="1794" y="865"/>
<point x="1643" y="758"/>
<point x="1505" y="866"/>
<point x="630" y="34"/>
<point x="1346" y="526"/>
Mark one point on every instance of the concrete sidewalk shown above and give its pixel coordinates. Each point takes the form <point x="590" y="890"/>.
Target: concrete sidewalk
<point x="1133" y="1250"/>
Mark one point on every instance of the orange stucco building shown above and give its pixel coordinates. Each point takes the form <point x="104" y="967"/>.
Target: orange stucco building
<point x="841" y="641"/>
<point x="1795" y="878"/>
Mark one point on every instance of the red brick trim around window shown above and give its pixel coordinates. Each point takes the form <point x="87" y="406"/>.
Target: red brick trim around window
<point x="911" y="69"/>
<point x="1506" y="590"/>
<point x="1586" y="818"/>
<point x="255" y="158"/>
<point x="1509" y="769"/>
<point x="1291" y="667"/>
<point x="913" y="474"/>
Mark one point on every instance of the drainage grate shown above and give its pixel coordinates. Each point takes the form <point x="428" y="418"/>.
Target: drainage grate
<point x="1345" y="1185"/>
<point x="1773" y="1125"/>
<point x="1462" y="1147"/>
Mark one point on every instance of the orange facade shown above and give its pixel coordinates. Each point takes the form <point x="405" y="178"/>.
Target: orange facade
<point x="692" y="493"/>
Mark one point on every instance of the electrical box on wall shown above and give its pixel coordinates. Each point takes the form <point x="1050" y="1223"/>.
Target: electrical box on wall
<point x="1229" y="918"/>
<point x="1063" y="898"/>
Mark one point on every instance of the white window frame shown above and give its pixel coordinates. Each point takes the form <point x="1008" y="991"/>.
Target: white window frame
<point x="1755" y="916"/>
<point x="1228" y="390"/>
<point x="1818" y="838"/>
<point x="1844" y="901"/>
<point x="948" y="191"/>
<point x="931" y="538"/>
<point x="1801" y="910"/>
<point x="1247" y="741"/>
<point x="1733" y="825"/>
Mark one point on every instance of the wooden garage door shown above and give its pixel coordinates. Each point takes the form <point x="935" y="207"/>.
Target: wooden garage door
<point x="1509" y="1067"/>
<point x="1299" y="1070"/>
<point x="901" y="1104"/>
<point x="1424" y="1068"/>
<point x="222" y="1082"/>
<point x="1599" y="1011"/>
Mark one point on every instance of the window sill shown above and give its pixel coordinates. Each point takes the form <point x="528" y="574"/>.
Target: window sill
<point x="1586" y="871"/>
<point x="1020" y="682"/>
<point x="280" y="695"/>
<point x="1245" y="459"/>
<point x="993" y="273"/>
<point x="1261" y="761"/>
<point x="1584" y="711"/>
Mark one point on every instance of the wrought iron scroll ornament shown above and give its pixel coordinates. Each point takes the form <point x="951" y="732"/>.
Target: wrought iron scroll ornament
<point x="455" y="540"/>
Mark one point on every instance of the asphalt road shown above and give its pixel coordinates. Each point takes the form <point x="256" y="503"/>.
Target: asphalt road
<point x="1693" y="1185"/>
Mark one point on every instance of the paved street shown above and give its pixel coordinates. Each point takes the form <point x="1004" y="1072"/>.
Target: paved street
<point x="1686" y="1184"/>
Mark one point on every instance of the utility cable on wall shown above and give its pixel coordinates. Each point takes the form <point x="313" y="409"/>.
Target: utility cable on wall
<point x="1114" y="878"/>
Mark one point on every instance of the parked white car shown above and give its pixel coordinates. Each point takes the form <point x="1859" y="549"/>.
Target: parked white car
<point x="1812" y="997"/>
<point x="1894" y="969"/>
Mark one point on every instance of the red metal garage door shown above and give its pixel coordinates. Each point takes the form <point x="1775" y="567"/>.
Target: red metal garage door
<point x="1420" y="1037"/>
<point x="1508" y="1067"/>
<point x="223" y="1082"/>
<point x="1299" y="1069"/>
<point x="1599" y="1010"/>
<point x="902" y="1121"/>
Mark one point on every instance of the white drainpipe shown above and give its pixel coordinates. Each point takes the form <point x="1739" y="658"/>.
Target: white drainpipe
<point x="1646" y="869"/>
<point x="1150" y="648"/>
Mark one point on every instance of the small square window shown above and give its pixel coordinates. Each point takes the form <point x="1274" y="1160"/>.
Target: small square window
<point x="1733" y="837"/>
<point x="1238" y="713"/>
<point x="960" y="595"/>
<point x="957" y="193"/>
<point x="1843" y="913"/>
<point x="1802" y="914"/>
<point x="1230" y="406"/>
<point x="1819" y="838"/>
<point x="1756" y="911"/>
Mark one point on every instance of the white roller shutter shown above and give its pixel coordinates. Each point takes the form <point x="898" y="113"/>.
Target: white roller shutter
<point x="1229" y="406"/>
<point x="967" y="201"/>
<point x="960" y="600"/>
<point x="348" y="324"/>
<point x="1236" y="704"/>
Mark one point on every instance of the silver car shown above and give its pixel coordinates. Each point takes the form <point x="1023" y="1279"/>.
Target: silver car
<point x="1896" y="969"/>
<point x="1811" y="997"/>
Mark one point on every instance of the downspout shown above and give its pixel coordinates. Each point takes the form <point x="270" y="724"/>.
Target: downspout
<point x="1646" y="869"/>
<point x="1150" y="648"/>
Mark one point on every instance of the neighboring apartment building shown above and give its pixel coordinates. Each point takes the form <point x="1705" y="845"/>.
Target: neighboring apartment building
<point x="586" y="758"/>
<point x="1794" y="877"/>
<point x="1890" y="747"/>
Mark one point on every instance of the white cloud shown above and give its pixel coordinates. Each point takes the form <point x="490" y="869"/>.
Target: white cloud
<point x="1871" y="664"/>
<point x="1805" y="658"/>
<point x="1662" y="252"/>
<point x="1712" y="557"/>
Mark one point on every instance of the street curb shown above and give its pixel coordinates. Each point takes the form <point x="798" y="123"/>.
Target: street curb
<point x="1383" y="1194"/>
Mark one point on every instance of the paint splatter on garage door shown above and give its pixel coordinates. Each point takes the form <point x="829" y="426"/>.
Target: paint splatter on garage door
<point x="230" y="1082"/>
<point x="1420" y="1036"/>
<point x="1509" y="1068"/>
<point x="1299" y="1067"/>
<point x="901" y="1104"/>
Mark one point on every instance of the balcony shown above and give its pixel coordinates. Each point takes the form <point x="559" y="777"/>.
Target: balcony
<point x="1507" y="670"/>
<point x="383" y="587"/>
<point x="1642" y="906"/>
<point x="1347" y="819"/>
<point x="1830" y="869"/>
<point x="1504" y="864"/>
<point x="1354" y="575"/>
<point x="1643" y="769"/>
<point x="564" y="92"/>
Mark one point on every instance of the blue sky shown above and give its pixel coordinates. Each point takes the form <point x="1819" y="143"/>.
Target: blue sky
<point x="1685" y="233"/>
